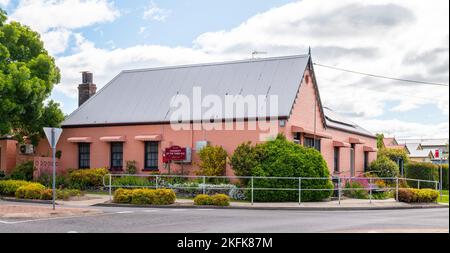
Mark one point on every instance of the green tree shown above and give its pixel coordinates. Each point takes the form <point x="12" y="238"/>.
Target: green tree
<point x="394" y="154"/>
<point x="380" y="142"/>
<point x="27" y="76"/>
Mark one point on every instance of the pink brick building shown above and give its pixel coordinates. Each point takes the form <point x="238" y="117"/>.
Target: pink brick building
<point x="130" y="118"/>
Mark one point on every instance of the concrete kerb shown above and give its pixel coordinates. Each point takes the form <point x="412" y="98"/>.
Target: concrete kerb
<point x="300" y="208"/>
<point x="31" y="201"/>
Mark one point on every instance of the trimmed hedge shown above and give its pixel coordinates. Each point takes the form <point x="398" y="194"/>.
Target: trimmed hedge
<point x="215" y="200"/>
<point x="9" y="187"/>
<point x="220" y="200"/>
<point x="30" y="191"/>
<point x="445" y="176"/>
<point x="84" y="179"/>
<point x="423" y="171"/>
<point x="145" y="196"/>
<point x="418" y="196"/>
<point x="203" y="200"/>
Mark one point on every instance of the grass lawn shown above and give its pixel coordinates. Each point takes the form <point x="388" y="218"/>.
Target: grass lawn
<point x="444" y="198"/>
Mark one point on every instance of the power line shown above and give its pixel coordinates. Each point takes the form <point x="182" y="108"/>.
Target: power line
<point x="389" y="92"/>
<point x="380" y="76"/>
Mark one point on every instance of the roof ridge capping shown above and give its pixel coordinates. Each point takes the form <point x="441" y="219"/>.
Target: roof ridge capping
<point x="217" y="63"/>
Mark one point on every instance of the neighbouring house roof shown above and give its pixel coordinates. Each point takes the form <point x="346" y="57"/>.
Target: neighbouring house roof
<point x="388" y="142"/>
<point x="335" y="120"/>
<point x="413" y="146"/>
<point x="144" y="95"/>
<point x="421" y="154"/>
<point x="402" y="146"/>
<point x="426" y="142"/>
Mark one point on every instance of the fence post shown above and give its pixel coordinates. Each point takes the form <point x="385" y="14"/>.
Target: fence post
<point x="204" y="185"/>
<point x="299" y="191"/>
<point x="418" y="184"/>
<point x="252" y="191"/>
<point x="370" y="189"/>
<point x="436" y="187"/>
<point x="157" y="182"/>
<point x="339" y="189"/>
<point x="110" y="190"/>
<point x="396" y="189"/>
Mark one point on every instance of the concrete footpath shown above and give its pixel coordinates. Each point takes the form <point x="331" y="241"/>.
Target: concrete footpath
<point x="346" y="204"/>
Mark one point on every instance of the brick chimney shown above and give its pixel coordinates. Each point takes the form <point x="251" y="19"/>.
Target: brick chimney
<point x="87" y="88"/>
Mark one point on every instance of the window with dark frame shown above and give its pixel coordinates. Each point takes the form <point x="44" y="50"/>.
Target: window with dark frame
<point x="151" y="155"/>
<point x="84" y="155"/>
<point x="309" y="143"/>
<point x="366" y="161"/>
<point x="336" y="159"/>
<point x="116" y="155"/>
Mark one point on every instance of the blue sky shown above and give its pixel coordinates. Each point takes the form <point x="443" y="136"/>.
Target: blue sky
<point x="389" y="37"/>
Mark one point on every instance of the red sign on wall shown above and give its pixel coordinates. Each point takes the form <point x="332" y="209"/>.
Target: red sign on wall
<point x="174" y="153"/>
<point x="436" y="153"/>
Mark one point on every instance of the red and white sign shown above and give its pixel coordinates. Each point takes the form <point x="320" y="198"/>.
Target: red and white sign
<point x="174" y="153"/>
<point x="436" y="153"/>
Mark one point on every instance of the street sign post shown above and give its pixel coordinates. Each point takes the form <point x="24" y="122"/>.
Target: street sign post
<point x="53" y="135"/>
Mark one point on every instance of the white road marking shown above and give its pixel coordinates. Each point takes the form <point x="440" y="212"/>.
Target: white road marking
<point x="72" y="232"/>
<point x="125" y="212"/>
<point x="151" y="211"/>
<point x="177" y="210"/>
<point x="55" y="218"/>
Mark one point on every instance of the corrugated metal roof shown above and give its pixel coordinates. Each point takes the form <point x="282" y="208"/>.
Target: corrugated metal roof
<point x="143" y="96"/>
<point x="426" y="142"/>
<point x="336" y="120"/>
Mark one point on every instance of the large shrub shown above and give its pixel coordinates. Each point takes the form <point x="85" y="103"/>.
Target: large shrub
<point x="244" y="159"/>
<point x="9" y="187"/>
<point x="445" y="176"/>
<point x="84" y="179"/>
<point x="281" y="158"/>
<point x="384" y="167"/>
<point x="422" y="171"/>
<point x="30" y="191"/>
<point x="145" y="196"/>
<point x="418" y="196"/>
<point x="23" y="171"/>
<point x="213" y="161"/>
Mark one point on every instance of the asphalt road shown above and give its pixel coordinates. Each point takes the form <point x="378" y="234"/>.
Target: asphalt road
<point x="137" y="220"/>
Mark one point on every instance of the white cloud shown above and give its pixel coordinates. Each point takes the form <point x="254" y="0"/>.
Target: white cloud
<point x="4" y="2"/>
<point x="56" y="41"/>
<point x="403" y="129"/>
<point x="142" y="29"/>
<point x="43" y="15"/>
<point x="153" y="12"/>
<point x="392" y="37"/>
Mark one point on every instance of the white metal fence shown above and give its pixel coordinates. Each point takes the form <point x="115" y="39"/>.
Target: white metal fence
<point x="203" y="184"/>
